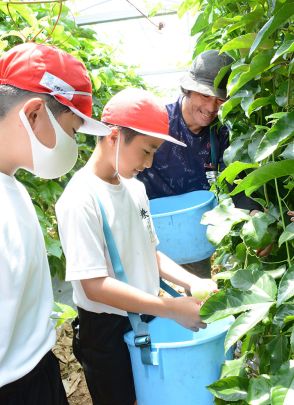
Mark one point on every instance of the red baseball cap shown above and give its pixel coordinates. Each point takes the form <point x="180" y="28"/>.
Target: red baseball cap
<point x="141" y="111"/>
<point x="46" y="69"/>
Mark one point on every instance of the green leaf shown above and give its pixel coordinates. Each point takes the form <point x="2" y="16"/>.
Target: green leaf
<point x="237" y="151"/>
<point x="258" y="103"/>
<point x="221" y="219"/>
<point x="288" y="153"/>
<point x="277" y="273"/>
<point x="273" y="24"/>
<point x="286" y="47"/>
<point x="259" y="282"/>
<point x="245" y="322"/>
<point x="278" y="349"/>
<point x="232" y="171"/>
<point x="263" y="175"/>
<point x="255" y="232"/>
<point x="62" y="313"/>
<point x="243" y="41"/>
<point x="230" y="302"/>
<point x="283" y="385"/>
<point x="223" y="275"/>
<point x="234" y="368"/>
<point x="228" y="106"/>
<point x="53" y="246"/>
<point x="282" y="313"/>
<point x="286" y="287"/>
<point x="230" y="388"/>
<point x="292" y="339"/>
<point x="200" y="22"/>
<point x="259" y="390"/>
<point x="287" y="235"/>
<point x="258" y="65"/>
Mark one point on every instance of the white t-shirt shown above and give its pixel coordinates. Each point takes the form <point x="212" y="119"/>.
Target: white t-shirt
<point x="26" y="332"/>
<point x="80" y="227"/>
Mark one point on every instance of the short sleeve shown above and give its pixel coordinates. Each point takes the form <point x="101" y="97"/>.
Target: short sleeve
<point x="82" y="238"/>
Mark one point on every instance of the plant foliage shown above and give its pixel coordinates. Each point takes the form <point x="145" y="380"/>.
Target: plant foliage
<point x="257" y="290"/>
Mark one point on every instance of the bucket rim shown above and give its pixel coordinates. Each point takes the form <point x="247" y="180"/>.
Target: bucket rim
<point x="187" y="343"/>
<point x="177" y="212"/>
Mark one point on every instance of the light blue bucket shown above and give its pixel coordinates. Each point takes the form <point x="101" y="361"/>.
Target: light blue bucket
<point x="185" y="362"/>
<point x="177" y="223"/>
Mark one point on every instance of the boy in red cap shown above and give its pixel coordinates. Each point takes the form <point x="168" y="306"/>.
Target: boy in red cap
<point x="41" y="108"/>
<point x="139" y="125"/>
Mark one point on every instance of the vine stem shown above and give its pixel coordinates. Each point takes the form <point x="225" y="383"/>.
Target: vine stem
<point x="283" y="220"/>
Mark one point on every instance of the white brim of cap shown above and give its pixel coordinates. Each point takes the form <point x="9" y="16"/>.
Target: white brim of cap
<point x="160" y="136"/>
<point x="190" y="84"/>
<point x="91" y="126"/>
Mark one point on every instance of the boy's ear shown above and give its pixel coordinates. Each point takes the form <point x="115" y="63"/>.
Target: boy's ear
<point x="113" y="136"/>
<point x="35" y="111"/>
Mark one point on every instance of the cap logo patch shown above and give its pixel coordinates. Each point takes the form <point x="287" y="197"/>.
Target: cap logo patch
<point x="57" y="85"/>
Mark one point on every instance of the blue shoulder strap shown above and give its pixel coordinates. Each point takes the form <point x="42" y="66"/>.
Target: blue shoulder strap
<point x="142" y="337"/>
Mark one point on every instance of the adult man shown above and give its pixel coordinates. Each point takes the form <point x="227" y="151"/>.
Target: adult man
<point x="41" y="109"/>
<point x="193" y="120"/>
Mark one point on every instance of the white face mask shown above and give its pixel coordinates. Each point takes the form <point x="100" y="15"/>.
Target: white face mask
<point x="50" y="163"/>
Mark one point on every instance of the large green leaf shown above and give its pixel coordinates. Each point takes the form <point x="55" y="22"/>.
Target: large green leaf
<point x="256" y="233"/>
<point x="243" y="41"/>
<point x="228" y="106"/>
<point x="273" y="24"/>
<point x="258" y="65"/>
<point x="292" y="339"/>
<point x="258" y="103"/>
<point x="221" y="219"/>
<point x="234" y="368"/>
<point x="287" y="235"/>
<point x="278" y="348"/>
<point x="283" y="385"/>
<point x="286" y="47"/>
<point x="286" y="287"/>
<point x="259" y="282"/>
<point x="230" y="388"/>
<point x="237" y="151"/>
<point x="282" y="313"/>
<point x="230" y="302"/>
<point x="264" y="174"/>
<point x="278" y="134"/>
<point x="232" y="171"/>
<point x="259" y="390"/>
<point x="245" y="322"/>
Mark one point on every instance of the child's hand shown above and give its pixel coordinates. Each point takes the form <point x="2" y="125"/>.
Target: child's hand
<point x="201" y="289"/>
<point x="185" y="311"/>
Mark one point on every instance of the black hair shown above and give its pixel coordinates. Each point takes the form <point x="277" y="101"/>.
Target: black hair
<point x="11" y="96"/>
<point x="186" y="92"/>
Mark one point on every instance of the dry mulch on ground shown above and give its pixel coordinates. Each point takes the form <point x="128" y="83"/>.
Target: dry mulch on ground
<point x="71" y="371"/>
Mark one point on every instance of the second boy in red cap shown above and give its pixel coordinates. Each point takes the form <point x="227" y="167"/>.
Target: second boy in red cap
<point x="139" y="125"/>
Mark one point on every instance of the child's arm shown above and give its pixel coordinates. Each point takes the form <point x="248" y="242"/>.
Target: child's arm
<point x="171" y="271"/>
<point x="109" y="291"/>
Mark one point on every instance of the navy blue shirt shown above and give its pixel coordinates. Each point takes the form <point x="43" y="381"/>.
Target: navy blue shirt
<point x="178" y="170"/>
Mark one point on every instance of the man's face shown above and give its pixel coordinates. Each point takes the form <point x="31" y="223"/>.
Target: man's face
<point x="200" y="110"/>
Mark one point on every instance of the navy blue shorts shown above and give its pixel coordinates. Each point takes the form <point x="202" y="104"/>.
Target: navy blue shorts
<point x="99" y="346"/>
<point x="41" y="386"/>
